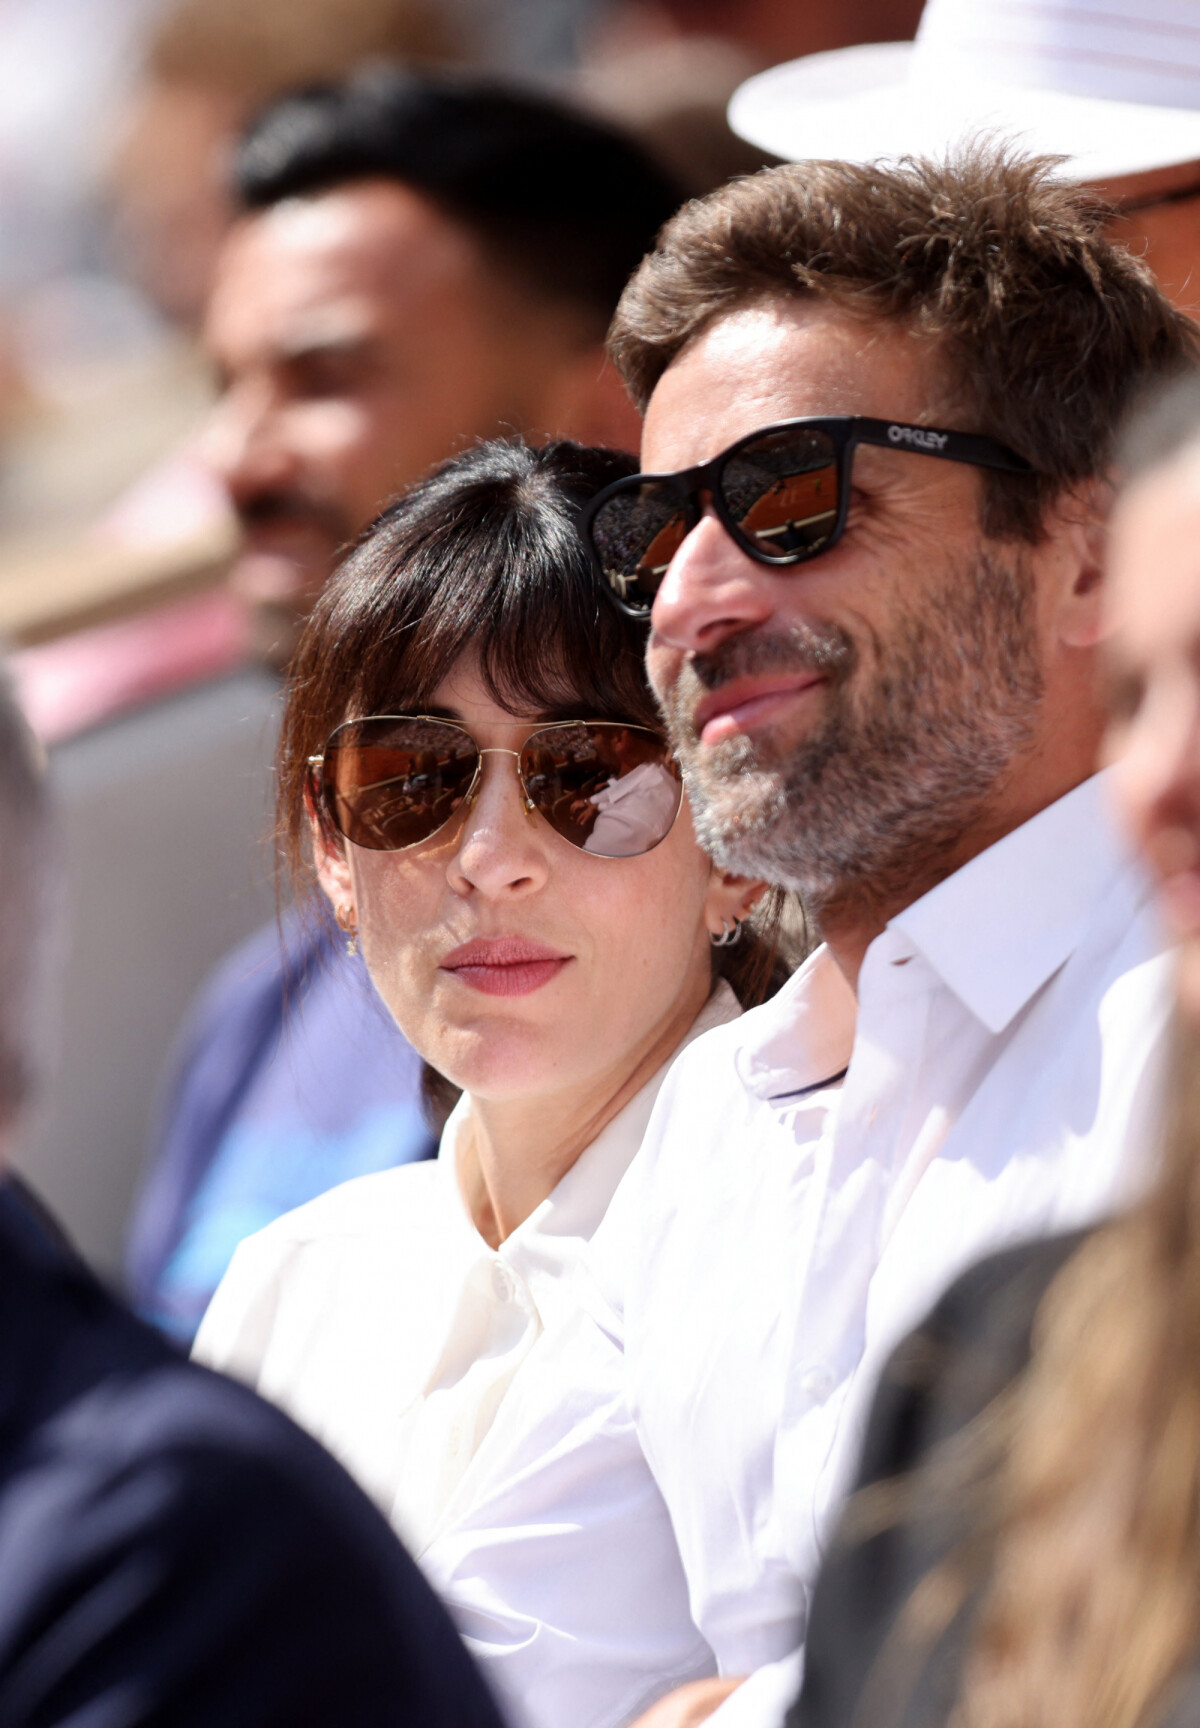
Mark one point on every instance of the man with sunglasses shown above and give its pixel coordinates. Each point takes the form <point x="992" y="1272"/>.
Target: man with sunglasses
<point x="879" y="407"/>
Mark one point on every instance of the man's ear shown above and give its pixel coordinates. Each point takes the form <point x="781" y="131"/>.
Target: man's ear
<point x="1081" y="517"/>
<point x="730" y="899"/>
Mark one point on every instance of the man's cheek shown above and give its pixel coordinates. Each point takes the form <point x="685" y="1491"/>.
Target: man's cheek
<point x="663" y="666"/>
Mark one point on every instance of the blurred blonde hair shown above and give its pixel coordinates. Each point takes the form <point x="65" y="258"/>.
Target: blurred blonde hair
<point x="1094" y="1603"/>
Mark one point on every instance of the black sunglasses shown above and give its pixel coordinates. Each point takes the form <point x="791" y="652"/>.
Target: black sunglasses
<point x="391" y="781"/>
<point x="781" y="494"/>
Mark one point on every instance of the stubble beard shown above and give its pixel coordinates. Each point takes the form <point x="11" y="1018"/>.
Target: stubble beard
<point x="870" y="806"/>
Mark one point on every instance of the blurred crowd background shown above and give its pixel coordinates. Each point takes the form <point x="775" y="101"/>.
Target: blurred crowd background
<point x="137" y="662"/>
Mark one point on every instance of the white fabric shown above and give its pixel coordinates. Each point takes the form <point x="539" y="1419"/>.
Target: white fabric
<point x="766" y="1696"/>
<point x="1112" y="86"/>
<point x="384" y="1323"/>
<point x="774" y="1239"/>
<point x="635" y="811"/>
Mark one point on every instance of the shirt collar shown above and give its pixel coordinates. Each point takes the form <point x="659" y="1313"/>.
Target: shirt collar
<point x="803" y="1036"/>
<point x="1000" y="927"/>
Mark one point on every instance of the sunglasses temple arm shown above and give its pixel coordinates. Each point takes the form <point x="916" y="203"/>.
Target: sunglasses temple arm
<point x="968" y="447"/>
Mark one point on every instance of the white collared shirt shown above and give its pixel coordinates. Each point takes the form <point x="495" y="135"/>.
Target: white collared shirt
<point x="381" y="1320"/>
<point x="780" y="1230"/>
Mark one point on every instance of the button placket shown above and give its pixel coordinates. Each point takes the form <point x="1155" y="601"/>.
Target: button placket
<point x="817" y="1382"/>
<point x="857" y="1157"/>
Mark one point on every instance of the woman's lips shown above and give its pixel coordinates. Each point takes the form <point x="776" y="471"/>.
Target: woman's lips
<point x="504" y="965"/>
<point x="744" y="703"/>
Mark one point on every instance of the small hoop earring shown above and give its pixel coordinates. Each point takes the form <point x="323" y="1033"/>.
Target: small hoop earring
<point x="730" y="933"/>
<point x="345" y="919"/>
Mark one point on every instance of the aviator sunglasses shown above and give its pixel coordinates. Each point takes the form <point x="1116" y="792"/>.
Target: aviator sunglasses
<point x="781" y="494"/>
<point x="391" y="781"/>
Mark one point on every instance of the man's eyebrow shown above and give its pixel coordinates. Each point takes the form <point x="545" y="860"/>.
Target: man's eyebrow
<point x="307" y="345"/>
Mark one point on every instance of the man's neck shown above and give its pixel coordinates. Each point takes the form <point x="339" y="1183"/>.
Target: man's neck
<point x="851" y="920"/>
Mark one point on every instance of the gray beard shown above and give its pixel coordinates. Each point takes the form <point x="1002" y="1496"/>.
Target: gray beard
<point x="870" y="805"/>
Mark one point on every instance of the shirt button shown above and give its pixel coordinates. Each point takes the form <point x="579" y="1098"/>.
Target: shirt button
<point x="502" y="1282"/>
<point x="817" y="1384"/>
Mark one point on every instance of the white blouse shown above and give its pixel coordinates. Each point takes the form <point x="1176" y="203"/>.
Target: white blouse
<point x="381" y="1320"/>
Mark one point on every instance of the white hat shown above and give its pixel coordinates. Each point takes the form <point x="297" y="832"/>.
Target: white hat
<point x="1113" y="92"/>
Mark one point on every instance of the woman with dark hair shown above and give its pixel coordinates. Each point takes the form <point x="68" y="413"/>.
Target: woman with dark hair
<point x="473" y="761"/>
<point x="1023" y="1549"/>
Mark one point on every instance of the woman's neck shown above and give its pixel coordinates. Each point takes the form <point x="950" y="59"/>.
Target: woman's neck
<point x="513" y="1152"/>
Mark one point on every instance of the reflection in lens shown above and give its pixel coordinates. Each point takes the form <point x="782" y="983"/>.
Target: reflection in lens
<point x="783" y="491"/>
<point x="393" y="783"/>
<point x="611" y="790"/>
<point x="637" y="533"/>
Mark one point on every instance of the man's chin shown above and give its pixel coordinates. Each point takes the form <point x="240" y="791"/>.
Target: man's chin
<point x="278" y="593"/>
<point x="735" y="813"/>
<point x="282" y="580"/>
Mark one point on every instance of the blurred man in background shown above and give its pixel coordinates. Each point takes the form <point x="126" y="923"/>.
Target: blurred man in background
<point x="171" y="1549"/>
<point x="419" y="262"/>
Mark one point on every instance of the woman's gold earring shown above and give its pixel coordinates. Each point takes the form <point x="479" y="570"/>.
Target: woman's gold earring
<point x="345" y="918"/>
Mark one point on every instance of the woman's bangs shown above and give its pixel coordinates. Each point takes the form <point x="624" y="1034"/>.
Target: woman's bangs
<point x="553" y="672"/>
<point x="544" y="640"/>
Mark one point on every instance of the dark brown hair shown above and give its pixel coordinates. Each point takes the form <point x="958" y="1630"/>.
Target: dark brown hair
<point x="484" y="557"/>
<point x="562" y="204"/>
<point x="1045" y="328"/>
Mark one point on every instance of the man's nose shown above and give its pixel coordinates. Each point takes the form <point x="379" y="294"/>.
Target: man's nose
<point x="711" y="590"/>
<point x="501" y="850"/>
<point x="243" y="444"/>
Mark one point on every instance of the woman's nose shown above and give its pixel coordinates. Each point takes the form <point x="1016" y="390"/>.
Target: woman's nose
<point x="500" y="850"/>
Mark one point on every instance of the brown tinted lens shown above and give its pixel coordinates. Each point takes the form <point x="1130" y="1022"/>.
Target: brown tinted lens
<point x="389" y="783"/>
<point x="636" y="534"/>
<point x="611" y="790"/>
<point x="782" y="491"/>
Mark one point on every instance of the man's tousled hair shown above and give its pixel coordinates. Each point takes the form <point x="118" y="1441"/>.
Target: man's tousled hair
<point x="1046" y="328"/>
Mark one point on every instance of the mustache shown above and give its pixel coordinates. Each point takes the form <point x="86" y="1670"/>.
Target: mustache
<point x="808" y="647"/>
<point x="801" y="648"/>
<point x="293" y="508"/>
